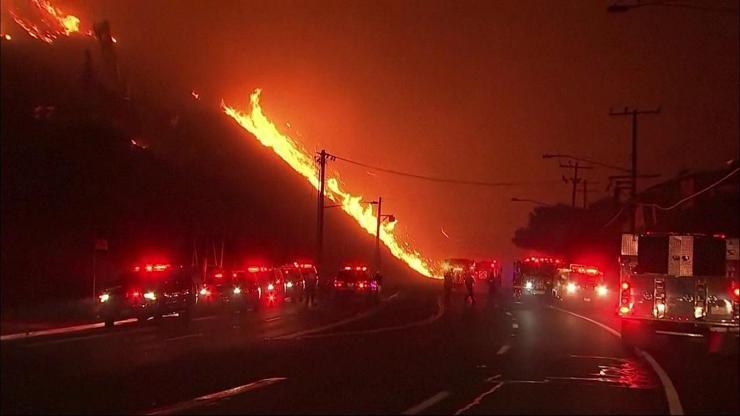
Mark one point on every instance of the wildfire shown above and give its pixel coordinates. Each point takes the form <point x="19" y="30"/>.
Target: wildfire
<point x="301" y="161"/>
<point x="53" y="22"/>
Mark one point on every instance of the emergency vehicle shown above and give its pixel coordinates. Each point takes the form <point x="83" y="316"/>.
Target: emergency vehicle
<point x="535" y="276"/>
<point x="149" y="290"/>
<point x="579" y="282"/>
<point x="356" y="280"/>
<point x="678" y="285"/>
<point x="459" y="269"/>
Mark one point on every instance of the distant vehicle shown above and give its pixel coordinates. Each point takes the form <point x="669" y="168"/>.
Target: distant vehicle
<point x="459" y="268"/>
<point x="295" y="279"/>
<point x="488" y="271"/>
<point x="535" y="276"/>
<point x="241" y="291"/>
<point x="212" y="287"/>
<point x="270" y="281"/>
<point x="356" y="280"/>
<point x="678" y="284"/>
<point x="579" y="282"/>
<point x="151" y="290"/>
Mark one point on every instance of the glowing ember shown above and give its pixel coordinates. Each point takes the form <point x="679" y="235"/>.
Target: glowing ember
<point x="301" y="161"/>
<point x="52" y="24"/>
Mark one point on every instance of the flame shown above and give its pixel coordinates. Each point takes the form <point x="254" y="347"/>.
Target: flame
<point x="53" y="22"/>
<point x="301" y="161"/>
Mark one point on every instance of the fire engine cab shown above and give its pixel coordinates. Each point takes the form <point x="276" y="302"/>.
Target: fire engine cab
<point x="680" y="285"/>
<point x="579" y="282"/>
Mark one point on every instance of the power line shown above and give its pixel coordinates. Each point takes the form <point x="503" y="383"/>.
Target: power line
<point x="441" y="179"/>
<point x="694" y="195"/>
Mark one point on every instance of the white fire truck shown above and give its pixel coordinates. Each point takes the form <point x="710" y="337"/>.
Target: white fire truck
<point x="681" y="285"/>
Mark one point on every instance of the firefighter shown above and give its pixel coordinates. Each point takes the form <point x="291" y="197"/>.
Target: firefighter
<point x="310" y="291"/>
<point x="469" y="282"/>
<point x="448" y="286"/>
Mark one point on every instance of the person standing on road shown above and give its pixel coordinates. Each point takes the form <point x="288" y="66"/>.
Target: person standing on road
<point x="311" y="282"/>
<point x="448" y="287"/>
<point x="469" y="282"/>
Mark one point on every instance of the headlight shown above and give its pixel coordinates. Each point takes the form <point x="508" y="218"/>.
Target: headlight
<point x="289" y="284"/>
<point x="571" y="287"/>
<point x="601" y="290"/>
<point x="205" y="292"/>
<point x="150" y="296"/>
<point x="528" y="285"/>
<point x="237" y="290"/>
<point x="104" y="297"/>
<point x="270" y="287"/>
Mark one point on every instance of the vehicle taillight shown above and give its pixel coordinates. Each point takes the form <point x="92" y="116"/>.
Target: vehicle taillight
<point x="237" y="290"/>
<point x="204" y="291"/>
<point x="338" y="283"/>
<point x="135" y="294"/>
<point x="218" y="275"/>
<point x="289" y="284"/>
<point x="736" y="292"/>
<point x="625" y="298"/>
<point x="659" y="293"/>
<point x="361" y="285"/>
<point x="270" y="287"/>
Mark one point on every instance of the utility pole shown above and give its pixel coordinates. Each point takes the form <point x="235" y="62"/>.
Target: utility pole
<point x="377" y="234"/>
<point x="586" y="190"/>
<point x="575" y="180"/>
<point x="322" y="157"/>
<point x="633" y="191"/>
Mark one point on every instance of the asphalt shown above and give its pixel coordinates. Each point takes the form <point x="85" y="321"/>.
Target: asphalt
<point x="409" y="354"/>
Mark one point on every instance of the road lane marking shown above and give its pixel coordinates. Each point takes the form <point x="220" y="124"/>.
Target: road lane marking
<point x="425" y="321"/>
<point x="427" y="403"/>
<point x="606" y="327"/>
<point x="508" y="313"/>
<point x="515" y="325"/>
<point x="478" y="399"/>
<point x="274" y="318"/>
<point x="198" y="335"/>
<point x="674" y="403"/>
<point x="370" y="312"/>
<point x="503" y="349"/>
<point x="213" y="397"/>
<point x="493" y="378"/>
<point x="63" y="330"/>
<point x="671" y="395"/>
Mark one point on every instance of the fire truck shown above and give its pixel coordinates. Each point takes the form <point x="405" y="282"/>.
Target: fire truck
<point x="680" y="285"/>
<point x="579" y="282"/>
<point x="488" y="271"/>
<point x="460" y="269"/>
<point x="535" y="276"/>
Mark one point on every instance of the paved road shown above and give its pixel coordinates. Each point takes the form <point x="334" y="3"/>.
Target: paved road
<point x="409" y="354"/>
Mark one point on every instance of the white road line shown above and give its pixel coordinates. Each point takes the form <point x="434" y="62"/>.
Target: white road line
<point x="671" y="395"/>
<point x="515" y="325"/>
<point x="206" y="318"/>
<point x="198" y="335"/>
<point x="503" y="349"/>
<point x="425" y="321"/>
<point x="478" y="399"/>
<point x="508" y="313"/>
<point x="606" y="327"/>
<point x="674" y="403"/>
<point x="427" y="403"/>
<point x="57" y="331"/>
<point x="274" y="318"/>
<point x="353" y="318"/>
<point x="65" y="340"/>
<point x="493" y="378"/>
<point x="213" y="397"/>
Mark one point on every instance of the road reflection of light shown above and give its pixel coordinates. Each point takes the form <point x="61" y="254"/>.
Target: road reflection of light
<point x="619" y="372"/>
